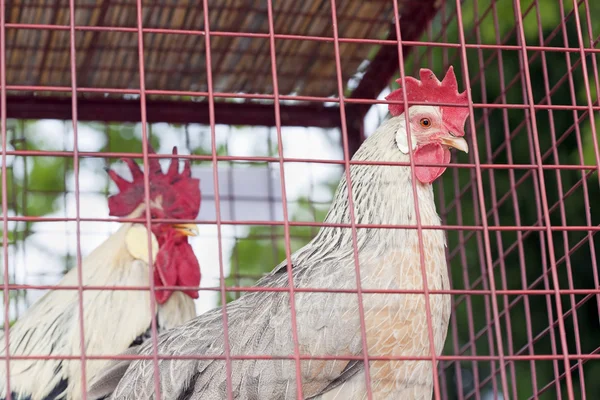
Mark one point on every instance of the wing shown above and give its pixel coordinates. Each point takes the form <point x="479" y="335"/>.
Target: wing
<point x="259" y="324"/>
<point x="108" y="380"/>
<point x="351" y="369"/>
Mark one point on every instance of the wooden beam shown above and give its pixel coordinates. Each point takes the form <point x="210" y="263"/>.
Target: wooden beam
<point x="177" y="112"/>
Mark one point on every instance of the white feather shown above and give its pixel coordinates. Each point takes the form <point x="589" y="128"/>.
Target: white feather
<point x="112" y="319"/>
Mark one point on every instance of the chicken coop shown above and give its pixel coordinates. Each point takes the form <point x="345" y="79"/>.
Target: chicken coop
<point x="268" y="101"/>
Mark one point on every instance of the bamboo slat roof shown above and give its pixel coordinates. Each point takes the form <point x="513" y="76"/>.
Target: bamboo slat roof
<point x="177" y="61"/>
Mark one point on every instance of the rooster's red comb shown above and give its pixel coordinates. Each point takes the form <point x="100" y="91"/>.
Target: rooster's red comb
<point x="179" y="191"/>
<point x="430" y="90"/>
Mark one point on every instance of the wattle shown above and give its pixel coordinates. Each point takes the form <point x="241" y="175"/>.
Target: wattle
<point x="433" y="153"/>
<point x="176" y="265"/>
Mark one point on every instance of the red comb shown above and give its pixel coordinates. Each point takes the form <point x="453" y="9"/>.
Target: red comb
<point x="430" y="90"/>
<point x="180" y="192"/>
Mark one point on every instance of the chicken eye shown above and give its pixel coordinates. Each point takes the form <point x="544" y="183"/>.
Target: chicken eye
<point x="425" y="122"/>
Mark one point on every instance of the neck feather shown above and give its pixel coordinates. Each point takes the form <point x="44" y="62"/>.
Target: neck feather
<point x="382" y="194"/>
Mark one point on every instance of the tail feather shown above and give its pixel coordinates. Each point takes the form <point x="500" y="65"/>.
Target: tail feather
<point x="108" y="380"/>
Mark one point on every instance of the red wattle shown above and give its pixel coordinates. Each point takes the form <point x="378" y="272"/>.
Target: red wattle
<point x="165" y="274"/>
<point x="433" y="153"/>
<point x="176" y="265"/>
<point x="188" y="269"/>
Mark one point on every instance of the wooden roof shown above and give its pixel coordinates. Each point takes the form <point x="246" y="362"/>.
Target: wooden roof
<point x="177" y="61"/>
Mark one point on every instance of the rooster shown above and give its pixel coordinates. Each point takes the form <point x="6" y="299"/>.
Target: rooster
<point x="328" y="324"/>
<point x="113" y="320"/>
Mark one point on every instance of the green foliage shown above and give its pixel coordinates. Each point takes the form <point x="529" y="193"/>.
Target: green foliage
<point x="126" y="138"/>
<point x="264" y="247"/>
<point x="221" y="150"/>
<point x="520" y="271"/>
<point x="41" y="179"/>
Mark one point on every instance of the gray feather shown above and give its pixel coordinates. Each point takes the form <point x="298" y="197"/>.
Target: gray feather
<point x="110" y="377"/>
<point x="352" y="368"/>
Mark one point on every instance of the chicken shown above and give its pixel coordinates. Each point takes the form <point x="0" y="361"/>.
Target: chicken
<point x="113" y="320"/>
<point x="328" y="324"/>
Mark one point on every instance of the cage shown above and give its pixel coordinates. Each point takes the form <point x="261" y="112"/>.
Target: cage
<point x="269" y="100"/>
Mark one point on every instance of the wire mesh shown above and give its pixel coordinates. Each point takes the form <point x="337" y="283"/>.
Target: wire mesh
<point x="518" y="211"/>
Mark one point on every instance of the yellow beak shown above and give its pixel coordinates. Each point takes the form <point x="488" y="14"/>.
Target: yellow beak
<point x="186" y="229"/>
<point x="456" y="142"/>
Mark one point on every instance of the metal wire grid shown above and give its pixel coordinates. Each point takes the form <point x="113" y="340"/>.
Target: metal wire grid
<point x="52" y="198"/>
<point x="485" y="233"/>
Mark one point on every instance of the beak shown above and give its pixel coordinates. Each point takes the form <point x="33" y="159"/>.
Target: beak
<point x="458" y="143"/>
<point x="186" y="229"/>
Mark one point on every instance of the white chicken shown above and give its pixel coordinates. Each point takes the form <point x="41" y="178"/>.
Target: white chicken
<point x="113" y="320"/>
